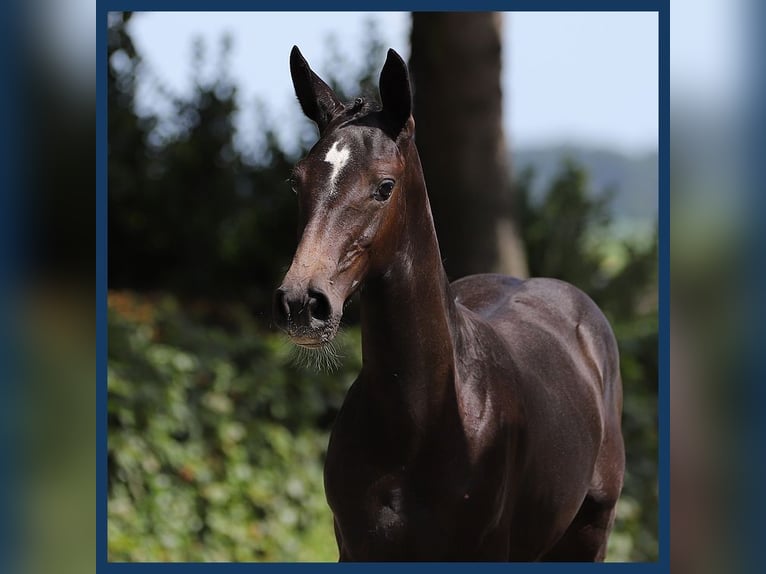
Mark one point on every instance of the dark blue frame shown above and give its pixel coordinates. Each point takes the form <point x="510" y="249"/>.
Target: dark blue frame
<point x="659" y="6"/>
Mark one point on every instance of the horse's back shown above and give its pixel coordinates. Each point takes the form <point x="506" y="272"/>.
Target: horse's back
<point x="502" y="299"/>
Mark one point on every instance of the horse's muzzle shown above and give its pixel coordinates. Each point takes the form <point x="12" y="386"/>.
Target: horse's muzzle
<point x="303" y="313"/>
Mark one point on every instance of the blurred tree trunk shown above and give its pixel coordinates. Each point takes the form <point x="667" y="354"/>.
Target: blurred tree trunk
<point x="455" y="66"/>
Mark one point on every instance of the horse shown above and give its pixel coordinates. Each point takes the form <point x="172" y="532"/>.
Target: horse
<point x="485" y="422"/>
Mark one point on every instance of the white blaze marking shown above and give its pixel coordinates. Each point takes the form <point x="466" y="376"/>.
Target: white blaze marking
<point x="338" y="158"/>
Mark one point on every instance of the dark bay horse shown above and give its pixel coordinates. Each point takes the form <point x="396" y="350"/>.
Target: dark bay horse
<point x="485" y="423"/>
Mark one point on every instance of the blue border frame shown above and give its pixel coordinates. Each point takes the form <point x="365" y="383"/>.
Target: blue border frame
<point x="101" y="288"/>
<point x="663" y="532"/>
<point x="105" y="6"/>
<point x="12" y="248"/>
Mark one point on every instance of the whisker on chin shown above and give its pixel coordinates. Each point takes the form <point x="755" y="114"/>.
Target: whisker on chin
<point x="326" y="358"/>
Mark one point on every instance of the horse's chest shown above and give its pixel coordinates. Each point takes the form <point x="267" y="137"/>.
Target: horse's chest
<point x="388" y="514"/>
<point x="398" y="512"/>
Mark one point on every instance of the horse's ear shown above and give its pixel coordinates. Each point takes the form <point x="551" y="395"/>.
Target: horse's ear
<point x="395" y="92"/>
<point x="317" y="99"/>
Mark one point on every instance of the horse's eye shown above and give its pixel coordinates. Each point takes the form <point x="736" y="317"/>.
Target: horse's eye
<point x="384" y="190"/>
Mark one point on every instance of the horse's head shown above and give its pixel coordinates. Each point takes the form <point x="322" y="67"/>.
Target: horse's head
<point x="350" y="198"/>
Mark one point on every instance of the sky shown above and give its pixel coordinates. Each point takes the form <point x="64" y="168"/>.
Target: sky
<point x="582" y="78"/>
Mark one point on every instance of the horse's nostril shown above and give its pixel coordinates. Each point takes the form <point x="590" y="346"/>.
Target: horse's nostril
<point x="281" y="308"/>
<point x="319" y="305"/>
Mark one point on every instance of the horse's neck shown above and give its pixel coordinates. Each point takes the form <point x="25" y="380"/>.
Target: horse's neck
<point x="407" y="319"/>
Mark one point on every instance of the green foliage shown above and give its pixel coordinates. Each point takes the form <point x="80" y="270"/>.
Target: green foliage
<point x="567" y="235"/>
<point x="216" y="439"/>
<point x="188" y="212"/>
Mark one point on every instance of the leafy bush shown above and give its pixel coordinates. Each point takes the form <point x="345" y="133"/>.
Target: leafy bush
<point x="216" y="440"/>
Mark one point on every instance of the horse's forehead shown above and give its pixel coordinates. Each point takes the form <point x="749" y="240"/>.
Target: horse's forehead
<point x="354" y="145"/>
<point x="346" y="151"/>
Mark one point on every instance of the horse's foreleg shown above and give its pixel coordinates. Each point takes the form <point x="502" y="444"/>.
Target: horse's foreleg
<point x="342" y="554"/>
